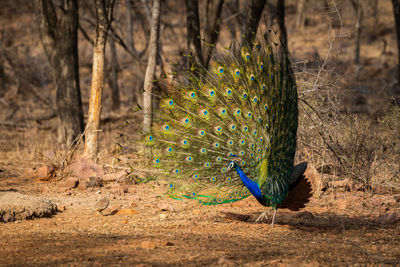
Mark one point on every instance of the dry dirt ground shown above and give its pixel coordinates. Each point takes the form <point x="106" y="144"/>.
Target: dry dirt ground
<point x="337" y="228"/>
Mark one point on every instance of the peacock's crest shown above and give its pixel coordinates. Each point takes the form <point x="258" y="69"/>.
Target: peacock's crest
<point x="244" y="110"/>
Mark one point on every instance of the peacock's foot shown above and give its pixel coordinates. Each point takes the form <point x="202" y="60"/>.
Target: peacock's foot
<point x="262" y="217"/>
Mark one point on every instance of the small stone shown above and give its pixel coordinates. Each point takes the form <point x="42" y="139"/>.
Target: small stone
<point x="90" y="183"/>
<point x="343" y="204"/>
<point x="391" y="217"/>
<point x="45" y="173"/>
<point x="148" y="245"/>
<point x="167" y="243"/>
<point x="85" y="168"/>
<point x="223" y="261"/>
<point x="115" y="176"/>
<point x="8" y="217"/>
<point x="61" y="207"/>
<point x="70" y="182"/>
<point x="112" y="211"/>
<point x="127" y="212"/>
<point x="118" y="189"/>
<point x="346" y="184"/>
<point x="124" y="221"/>
<point x="132" y="205"/>
<point x="165" y="207"/>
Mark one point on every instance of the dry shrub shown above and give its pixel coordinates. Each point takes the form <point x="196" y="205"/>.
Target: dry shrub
<point x="344" y="145"/>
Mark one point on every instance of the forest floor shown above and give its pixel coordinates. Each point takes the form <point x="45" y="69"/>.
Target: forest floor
<point x="141" y="228"/>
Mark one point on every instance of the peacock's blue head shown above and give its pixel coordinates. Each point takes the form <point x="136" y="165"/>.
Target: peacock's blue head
<point x="231" y="165"/>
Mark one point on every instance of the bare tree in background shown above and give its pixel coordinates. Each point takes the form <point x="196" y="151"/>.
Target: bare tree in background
<point x="113" y="77"/>
<point x="396" y="12"/>
<point x="280" y="14"/>
<point x="104" y="11"/>
<point x="58" y="33"/>
<point x="151" y="67"/>
<point x="211" y="33"/>
<point x="301" y="16"/>
<point x="358" y="8"/>
<point x="193" y="34"/>
<point x="249" y="30"/>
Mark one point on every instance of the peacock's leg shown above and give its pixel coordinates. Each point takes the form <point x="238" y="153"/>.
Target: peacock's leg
<point x="273" y="218"/>
<point x="262" y="216"/>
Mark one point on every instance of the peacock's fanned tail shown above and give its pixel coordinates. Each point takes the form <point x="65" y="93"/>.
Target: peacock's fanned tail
<point x="244" y="109"/>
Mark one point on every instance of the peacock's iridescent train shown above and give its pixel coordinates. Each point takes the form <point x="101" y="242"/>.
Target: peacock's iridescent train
<point x="229" y="132"/>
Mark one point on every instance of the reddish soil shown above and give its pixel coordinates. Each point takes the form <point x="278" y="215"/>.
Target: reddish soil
<point x="334" y="229"/>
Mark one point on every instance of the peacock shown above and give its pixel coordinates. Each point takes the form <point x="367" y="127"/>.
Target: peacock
<point x="227" y="133"/>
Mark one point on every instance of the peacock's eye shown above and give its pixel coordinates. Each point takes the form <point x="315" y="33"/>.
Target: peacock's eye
<point x="229" y="92"/>
<point x="171" y="102"/>
<point x="244" y="95"/>
<point x="255" y="99"/>
<point x="237" y="72"/>
<point x="247" y="55"/>
<point x="192" y="94"/>
<point x="212" y="92"/>
<point x="157" y="160"/>
<point x="252" y="77"/>
<point x="220" y="69"/>
<point x="150" y="138"/>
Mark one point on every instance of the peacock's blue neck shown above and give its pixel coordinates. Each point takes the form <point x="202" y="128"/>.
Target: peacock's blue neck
<point x="251" y="185"/>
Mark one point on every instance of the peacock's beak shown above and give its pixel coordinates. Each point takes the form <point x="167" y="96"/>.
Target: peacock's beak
<point x="229" y="168"/>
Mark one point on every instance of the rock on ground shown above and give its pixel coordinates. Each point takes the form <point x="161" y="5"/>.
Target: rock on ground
<point x="17" y="206"/>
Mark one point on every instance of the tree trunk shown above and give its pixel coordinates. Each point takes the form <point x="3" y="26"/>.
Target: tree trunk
<point x="396" y="11"/>
<point x="151" y="67"/>
<point x="129" y="22"/>
<point x="104" y="10"/>
<point x="193" y="34"/>
<point x="359" y="19"/>
<point x="301" y="17"/>
<point x="214" y="11"/>
<point x="113" y="81"/>
<point x="280" y="10"/>
<point x="250" y="26"/>
<point x="58" y="33"/>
